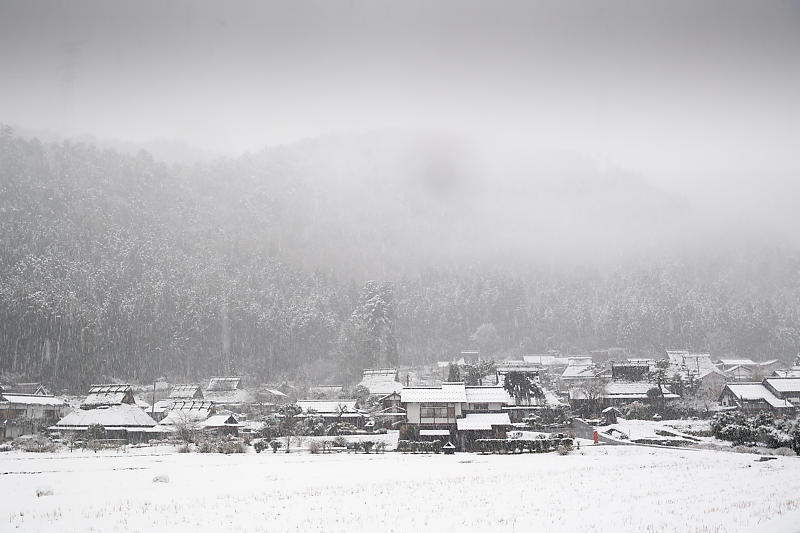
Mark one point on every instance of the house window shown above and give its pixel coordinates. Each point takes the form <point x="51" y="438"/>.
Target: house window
<point x="479" y="406"/>
<point x="435" y="411"/>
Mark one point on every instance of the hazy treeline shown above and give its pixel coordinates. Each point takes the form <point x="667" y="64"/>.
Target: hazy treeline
<point x="114" y="265"/>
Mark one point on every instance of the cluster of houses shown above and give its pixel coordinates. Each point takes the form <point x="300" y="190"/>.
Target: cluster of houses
<point x="449" y="411"/>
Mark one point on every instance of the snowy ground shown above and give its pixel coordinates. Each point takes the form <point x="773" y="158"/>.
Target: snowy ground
<point x="601" y="488"/>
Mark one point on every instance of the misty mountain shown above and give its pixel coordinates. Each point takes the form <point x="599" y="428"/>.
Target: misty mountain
<point x="120" y="265"/>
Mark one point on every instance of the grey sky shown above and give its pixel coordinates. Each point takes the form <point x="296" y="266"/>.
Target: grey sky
<point x="666" y="88"/>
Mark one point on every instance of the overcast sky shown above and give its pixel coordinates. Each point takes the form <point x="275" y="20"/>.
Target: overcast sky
<point x="665" y="88"/>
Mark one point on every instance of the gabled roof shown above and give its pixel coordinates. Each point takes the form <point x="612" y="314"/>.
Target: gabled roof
<point x="488" y="395"/>
<point x="482" y="421"/>
<point x="446" y="393"/>
<point x="327" y="406"/>
<point x="634" y="390"/>
<point x="380" y="380"/>
<point x="218" y="421"/>
<point x="224" y="384"/>
<point x="186" y="411"/>
<point x="229" y="397"/>
<point x="712" y="370"/>
<point x="186" y="391"/>
<point x="110" y="394"/>
<point x="756" y="391"/>
<point x="26" y="388"/>
<point x="578" y="372"/>
<point x="326" y="391"/>
<point x="784" y="384"/>
<point x="546" y="360"/>
<point x="123" y="415"/>
<point x="32" y="399"/>
<point x="738" y="362"/>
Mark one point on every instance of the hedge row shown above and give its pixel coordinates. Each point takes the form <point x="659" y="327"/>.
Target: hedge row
<point x="521" y="445"/>
<point x="419" y="446"/>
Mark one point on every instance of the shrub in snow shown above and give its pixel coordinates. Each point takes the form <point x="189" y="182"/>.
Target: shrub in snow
<point x="44" y="491"/>
<point x="315" y="447"/>
<point x="260" y="445"/>
<point x="275" y="444"/>
<point x="184" y="448"/>
<point x="563" y="450"/>
<point x="367" y="445"/>
<point x="161" y="478"/>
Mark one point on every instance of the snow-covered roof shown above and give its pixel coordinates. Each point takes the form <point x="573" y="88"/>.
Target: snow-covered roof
<point x="546" y="360"/>
<point x="229" y="397"/>
<point x="25" y="389"/>
<point x="186" y="391"/>
<point x="33" y="399"/>
<point x="712" y="370"/>
<point x="738" y="362"/>
<point x="142" y="404"/>
<point x="115" y="415"/>
<point x="218" y="421"/>
<point x="380" y="380"/>
<point x="578" y="372"/>
<point x="274" y="392"/>
<point x="446" y="393"/>
<point x="182" y="417"/>
<point x="504" y="367"/>
<point x="482" y="421"/>
<point x="788" y="373"/>
<point x="327" y="406"/>
<point x="111" y="394"/>
<point x="326" y="391"/>
<point x="634" y="390"/>
<point x="493" y="394"/>
<point x="756" y="391"/>
<point x="224" y="383"/>
<point x="784" y="384"/>
<point x="161" y="406"/>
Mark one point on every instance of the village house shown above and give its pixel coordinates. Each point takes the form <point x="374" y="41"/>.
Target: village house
<point x="24" y="414"/>
<point x="332" y="411"/>
<point x="325" y="392"/>
<point x="784" y="388"/>
<point x="619" y="393"/>
<point x="189" y="413"/>
<point x="712" y="382"/>
<point x="228" y="392"/>
<point x="271" y="399"/>
<point x="465" y="412"/>
<point x="754" y="397"/>
<point x="688" y="365"/>
<point x="381" y="381"/>
<point x="113" y="407"/>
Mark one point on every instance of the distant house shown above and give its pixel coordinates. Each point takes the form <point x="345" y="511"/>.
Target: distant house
<point x="22" y="414"/>
<point x="381" y="381"/>
<point x="228" y="392"/>
<point x="619" y="393"/>
<point x="271" y="398"/>
<point x="476" y="426"/>
<point x="122" y="421"/>
<point x="224" y="424"/>
<point x="503" y="368"/>
<point x="28" y="389"/>
<point x="108" y="395"/>
<point x="688" y="364"/>
<point x="784" y="388"/>
<point x="793" y="372"/>
<point x="579" y="371"/>
<point x="325" y="392"/>
<point x="333" y="411"/>
<point x="188" y="412"/>
<point x="712" y="381"/>
<point x="186" y="392"/>
<point x="742" y="373"/>
<point x="390" y="412"/>
<point x="630" y="371"/>
<point x="754" y="397"/>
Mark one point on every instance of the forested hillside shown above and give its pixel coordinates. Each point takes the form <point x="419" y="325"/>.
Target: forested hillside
<point x="121" y="266"/>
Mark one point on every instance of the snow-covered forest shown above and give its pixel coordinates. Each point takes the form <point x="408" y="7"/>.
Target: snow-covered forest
<point x="119" y="265"/>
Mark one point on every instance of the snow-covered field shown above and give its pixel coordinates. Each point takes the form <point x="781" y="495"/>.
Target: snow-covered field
<point x="600" y="488"/>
